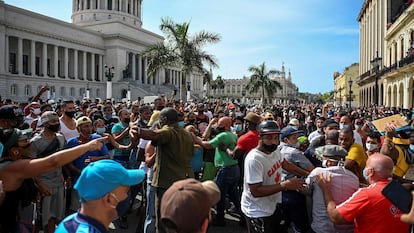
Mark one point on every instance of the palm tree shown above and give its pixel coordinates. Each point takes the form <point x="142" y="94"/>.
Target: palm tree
<point x="182" y="50"/>
<point x="260" y="80"/>
<point x="219" y="83"/>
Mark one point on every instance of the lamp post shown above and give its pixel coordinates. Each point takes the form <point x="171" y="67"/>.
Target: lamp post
<point x="129" y="93"/>
<point x="340" y="95"/>
<point x="88" y="90"/>
<point x="350" y="92"/>
<point x="376" y="65"/>
<point x="109" y="74"/>
<point x="188" y="91"/>
<point x="243" y="95"/>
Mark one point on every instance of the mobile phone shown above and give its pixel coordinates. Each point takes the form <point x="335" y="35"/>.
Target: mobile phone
<point x="398" y="195"/>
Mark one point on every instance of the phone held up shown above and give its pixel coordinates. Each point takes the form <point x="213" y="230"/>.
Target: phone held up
<point x="398" y="195"/>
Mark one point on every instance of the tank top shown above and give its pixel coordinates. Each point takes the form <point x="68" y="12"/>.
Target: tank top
<point x="68" y="133"/>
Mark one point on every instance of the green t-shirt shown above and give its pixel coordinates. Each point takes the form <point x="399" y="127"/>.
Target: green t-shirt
<point x="221" y="158"/>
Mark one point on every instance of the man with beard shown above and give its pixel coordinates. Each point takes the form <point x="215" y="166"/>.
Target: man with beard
<point x="262" y="193"/>
<point x="85" y="128"/>
<point x="67" y="121"/>
<point x="50" y="184"/>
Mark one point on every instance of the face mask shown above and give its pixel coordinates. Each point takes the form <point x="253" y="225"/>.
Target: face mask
<point x="342" y="126"/>
<point x="100" y="130"/>
<point x="325" y="163"/>
<point x="54" y="128"/>
<point x="181" y="124"/>
<point x="36" y="111"/>
<point x="364" y="173"/>
<point x="238" y="127"/>
<point x="159" y="108"/>
<point x="371" y="146"/>
<point x="109" y="116"/>
<point x="127" y="120"/>
<point x="269" y="148"/>
<point x="70" y="114"/>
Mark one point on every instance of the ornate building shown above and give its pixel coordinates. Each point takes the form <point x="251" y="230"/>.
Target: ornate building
<point x="104" y="41"/>
<point x="345" y="88"/>
<point x="386" y="53"/>
<point x="236" y="89"/>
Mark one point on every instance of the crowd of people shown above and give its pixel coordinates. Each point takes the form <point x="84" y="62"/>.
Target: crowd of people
<point x="308" y="168"/>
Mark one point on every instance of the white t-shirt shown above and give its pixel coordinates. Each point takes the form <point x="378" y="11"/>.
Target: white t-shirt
<point x="68" y="133"/>
<point x="261" y="168"/>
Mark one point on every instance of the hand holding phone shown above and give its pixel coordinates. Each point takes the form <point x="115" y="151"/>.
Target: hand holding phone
<point x="398" y="195"/>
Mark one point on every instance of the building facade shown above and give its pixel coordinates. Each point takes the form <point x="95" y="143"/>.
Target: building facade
<point x="346" y="89"/>
<point x="236" y="89"/>
<point x="105" y="39"/>
<point x="386" y="53"/>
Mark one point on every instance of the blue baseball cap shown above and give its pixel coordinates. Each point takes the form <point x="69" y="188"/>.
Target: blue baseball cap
<point x="103" y="176"/>
<point x="288" y="130"/>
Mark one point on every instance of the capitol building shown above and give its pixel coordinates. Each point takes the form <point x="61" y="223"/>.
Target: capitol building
<point x="99" y="54"/>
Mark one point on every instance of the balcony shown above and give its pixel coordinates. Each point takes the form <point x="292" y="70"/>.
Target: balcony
<point x="408" y="59"/>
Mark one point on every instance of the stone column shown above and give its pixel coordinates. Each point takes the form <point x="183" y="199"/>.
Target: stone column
<point x="106" y="4"/>
<point x="92" y="66"/>
<point x="134" y="77"/>
<point x="100" y="67"/>
<point x="33" y="57"/>
<point x="140" y="69"/>
<point x="75" y="64"/>
<point x="6" y="50"/>
<point x="44" y="54"/>
<point x="55" y="61"/>
<point x="84" y="65"/>
<point x="406" y="91"/>
<point x="99" y="5"/>
<point x="19" y="55"/>
<point x="145" y="70"/>
<point x="66" y="63"/>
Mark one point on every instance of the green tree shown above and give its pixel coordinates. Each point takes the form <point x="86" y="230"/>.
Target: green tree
<point x="260" y="81"/>
<point x="182" y="50"/>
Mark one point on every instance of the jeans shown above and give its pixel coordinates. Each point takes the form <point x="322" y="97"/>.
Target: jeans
<point x="227" y="179"/>
<point x="149" y="225"/>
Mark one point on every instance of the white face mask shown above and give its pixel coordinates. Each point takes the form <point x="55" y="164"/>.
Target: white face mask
<point x="371" y="146"/>
<point x="37" y="111"/>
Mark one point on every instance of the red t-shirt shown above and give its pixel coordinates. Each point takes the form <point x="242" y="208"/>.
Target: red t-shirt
<point x="248" y="141"/>
<point x="371" y="211"/>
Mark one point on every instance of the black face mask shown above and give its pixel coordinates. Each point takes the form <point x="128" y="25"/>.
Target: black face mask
<point x="127" y="120"/>
<point x="70" y="114"/>
<point x="269" y="148"/>
<point x="159" y="108"/>
<point x="54" y="128"/>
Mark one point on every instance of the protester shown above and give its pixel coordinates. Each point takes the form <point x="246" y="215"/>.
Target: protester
<point x="102" y="186"/>
<point x="368" y="208"/>
<point x="186" y="206"/>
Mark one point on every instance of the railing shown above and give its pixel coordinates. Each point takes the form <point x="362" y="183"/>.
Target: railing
<point x="406" y="61"/>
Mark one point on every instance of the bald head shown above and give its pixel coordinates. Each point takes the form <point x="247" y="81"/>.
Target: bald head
<point x="224" y="122"/>
<point x="169" y="115"/>
<point x="345" y="120"/>
<point x="382" y="164"/>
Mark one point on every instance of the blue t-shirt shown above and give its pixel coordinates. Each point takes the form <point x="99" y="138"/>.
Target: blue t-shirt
<point x="80" y="162"/>
<point x="78" y="222"/>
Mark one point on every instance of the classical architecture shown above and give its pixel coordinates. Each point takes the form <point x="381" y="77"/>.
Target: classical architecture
<point x="99" y="54"/>
<point x="386" y="53"/>
<point x="236" y="89"/>
<point x="345" y="87"/>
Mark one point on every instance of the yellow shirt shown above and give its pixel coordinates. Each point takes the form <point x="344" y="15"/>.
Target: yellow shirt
<point x="357" y="154"/>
